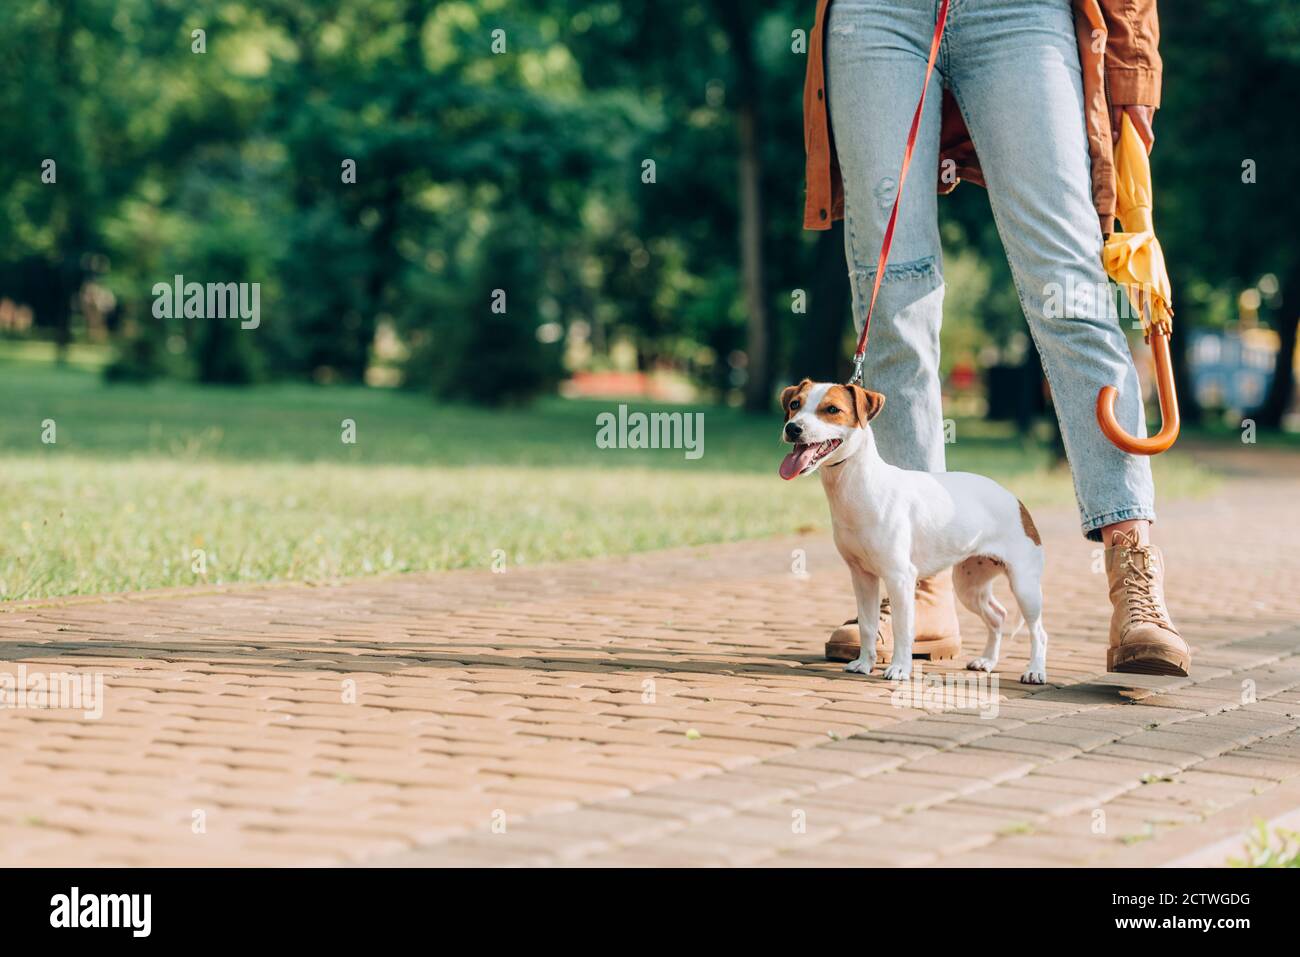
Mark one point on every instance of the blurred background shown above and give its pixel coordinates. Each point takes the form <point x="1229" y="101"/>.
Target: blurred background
<point x="630" y="174"/>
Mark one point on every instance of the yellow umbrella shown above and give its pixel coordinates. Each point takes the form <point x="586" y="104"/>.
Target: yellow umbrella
<point x="1135" y="261"/>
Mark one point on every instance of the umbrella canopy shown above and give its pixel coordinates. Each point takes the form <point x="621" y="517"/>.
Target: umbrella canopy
<point x="1134" y="258"/>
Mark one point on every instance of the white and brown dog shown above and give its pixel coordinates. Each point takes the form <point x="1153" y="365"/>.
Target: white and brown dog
<point x="894" y="526"/>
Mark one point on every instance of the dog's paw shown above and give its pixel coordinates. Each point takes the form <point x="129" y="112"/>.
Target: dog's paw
<point x="1034" y="676"/>
<point x="981" y="664"/>
<point x="898" y="672"/>
<point x="861" y="666"/>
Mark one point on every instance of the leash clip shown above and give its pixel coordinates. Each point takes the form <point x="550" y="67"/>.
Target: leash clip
<point x="856" y="378"/>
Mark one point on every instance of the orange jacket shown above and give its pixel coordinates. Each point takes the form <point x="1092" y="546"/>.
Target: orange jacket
<point x="1118" y="51"/>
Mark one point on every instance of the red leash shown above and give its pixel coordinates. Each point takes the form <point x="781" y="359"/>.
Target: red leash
<point x="940" y="20"/>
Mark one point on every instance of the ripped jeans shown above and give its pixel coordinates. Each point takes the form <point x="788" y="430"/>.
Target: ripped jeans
<point x="1013" y="68"/>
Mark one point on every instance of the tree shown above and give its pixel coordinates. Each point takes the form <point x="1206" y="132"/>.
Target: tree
<point x="1225" y="163"/>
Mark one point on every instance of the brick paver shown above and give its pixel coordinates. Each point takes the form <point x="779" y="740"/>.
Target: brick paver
<point x="669" y="708"/>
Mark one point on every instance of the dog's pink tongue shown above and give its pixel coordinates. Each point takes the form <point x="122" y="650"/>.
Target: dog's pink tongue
<point x="797" y="461"/>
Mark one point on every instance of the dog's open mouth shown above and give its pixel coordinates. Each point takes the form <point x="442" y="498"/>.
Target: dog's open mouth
<point x="804" y="457"/>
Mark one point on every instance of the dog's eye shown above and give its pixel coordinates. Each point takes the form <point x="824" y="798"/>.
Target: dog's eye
<point x="831" y="410"/>
<point x="794" y="405"/>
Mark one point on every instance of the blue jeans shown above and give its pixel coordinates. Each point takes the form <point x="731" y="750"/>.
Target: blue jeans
<point x="1013" y="68"/>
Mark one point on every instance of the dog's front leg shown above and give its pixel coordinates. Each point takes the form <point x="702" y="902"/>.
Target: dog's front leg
<point x="866" y="588"/>
<point x="902" y="604"/>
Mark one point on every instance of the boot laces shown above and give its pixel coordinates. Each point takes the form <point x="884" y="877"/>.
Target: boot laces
<point x="1143" y="603"/>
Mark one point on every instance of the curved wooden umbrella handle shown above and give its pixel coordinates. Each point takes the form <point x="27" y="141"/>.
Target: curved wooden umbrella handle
<point x="1168" y="405"/>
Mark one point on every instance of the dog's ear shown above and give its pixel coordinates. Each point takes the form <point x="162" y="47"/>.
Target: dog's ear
<point x="789" y="392"/>
<point x="867" y="403"/>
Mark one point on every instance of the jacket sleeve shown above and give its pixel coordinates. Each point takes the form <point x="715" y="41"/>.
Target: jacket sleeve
<point x="1132" y="52"/>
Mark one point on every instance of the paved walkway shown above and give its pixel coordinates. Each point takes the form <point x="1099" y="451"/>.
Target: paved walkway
<point x="670" y="708"/>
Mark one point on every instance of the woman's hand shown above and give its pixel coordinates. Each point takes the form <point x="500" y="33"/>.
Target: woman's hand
<point x="1141" y="117"/>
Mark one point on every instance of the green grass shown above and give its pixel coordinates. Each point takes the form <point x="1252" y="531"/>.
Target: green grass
<point x="1263" y="849"/>
<point x="141" y="479"/>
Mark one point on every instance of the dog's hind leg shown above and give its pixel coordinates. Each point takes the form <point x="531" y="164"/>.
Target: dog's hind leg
<point x="1026" y="584"/>
<point x="973" y="580"/>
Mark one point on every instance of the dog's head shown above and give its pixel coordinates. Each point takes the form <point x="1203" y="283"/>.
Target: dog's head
<point x="825" y="423"/>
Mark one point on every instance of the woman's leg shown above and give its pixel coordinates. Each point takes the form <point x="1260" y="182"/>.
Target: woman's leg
<point x="876" y="54"/>
<point x="1015" y="74"/>
<point x="1014" y="70"/>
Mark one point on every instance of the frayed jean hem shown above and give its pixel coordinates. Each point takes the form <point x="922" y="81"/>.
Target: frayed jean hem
<point x="1092" y="526"/>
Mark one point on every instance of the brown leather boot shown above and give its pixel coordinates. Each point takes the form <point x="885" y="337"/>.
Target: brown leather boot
<point x="1143" y="639"/>
<point x="937" y="633"/>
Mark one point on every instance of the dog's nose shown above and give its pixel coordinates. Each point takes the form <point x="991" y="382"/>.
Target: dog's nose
<point x="793" y="430"/>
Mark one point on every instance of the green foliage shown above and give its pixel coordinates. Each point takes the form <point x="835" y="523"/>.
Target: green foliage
<point x="1263" y="849"/>
<point x="228" y="166"/>
<point x="483" y="346"/>
<point x="139" y="359"/>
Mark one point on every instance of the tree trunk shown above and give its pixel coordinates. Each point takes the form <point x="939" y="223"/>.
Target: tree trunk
<point x="758" y="348"/>
<point x="738" y="22"/>
<point x="1271" y="413"/>
<point x="73" y="231"/>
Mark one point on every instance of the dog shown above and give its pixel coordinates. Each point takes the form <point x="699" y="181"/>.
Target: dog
<point x="894" y="526"/>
